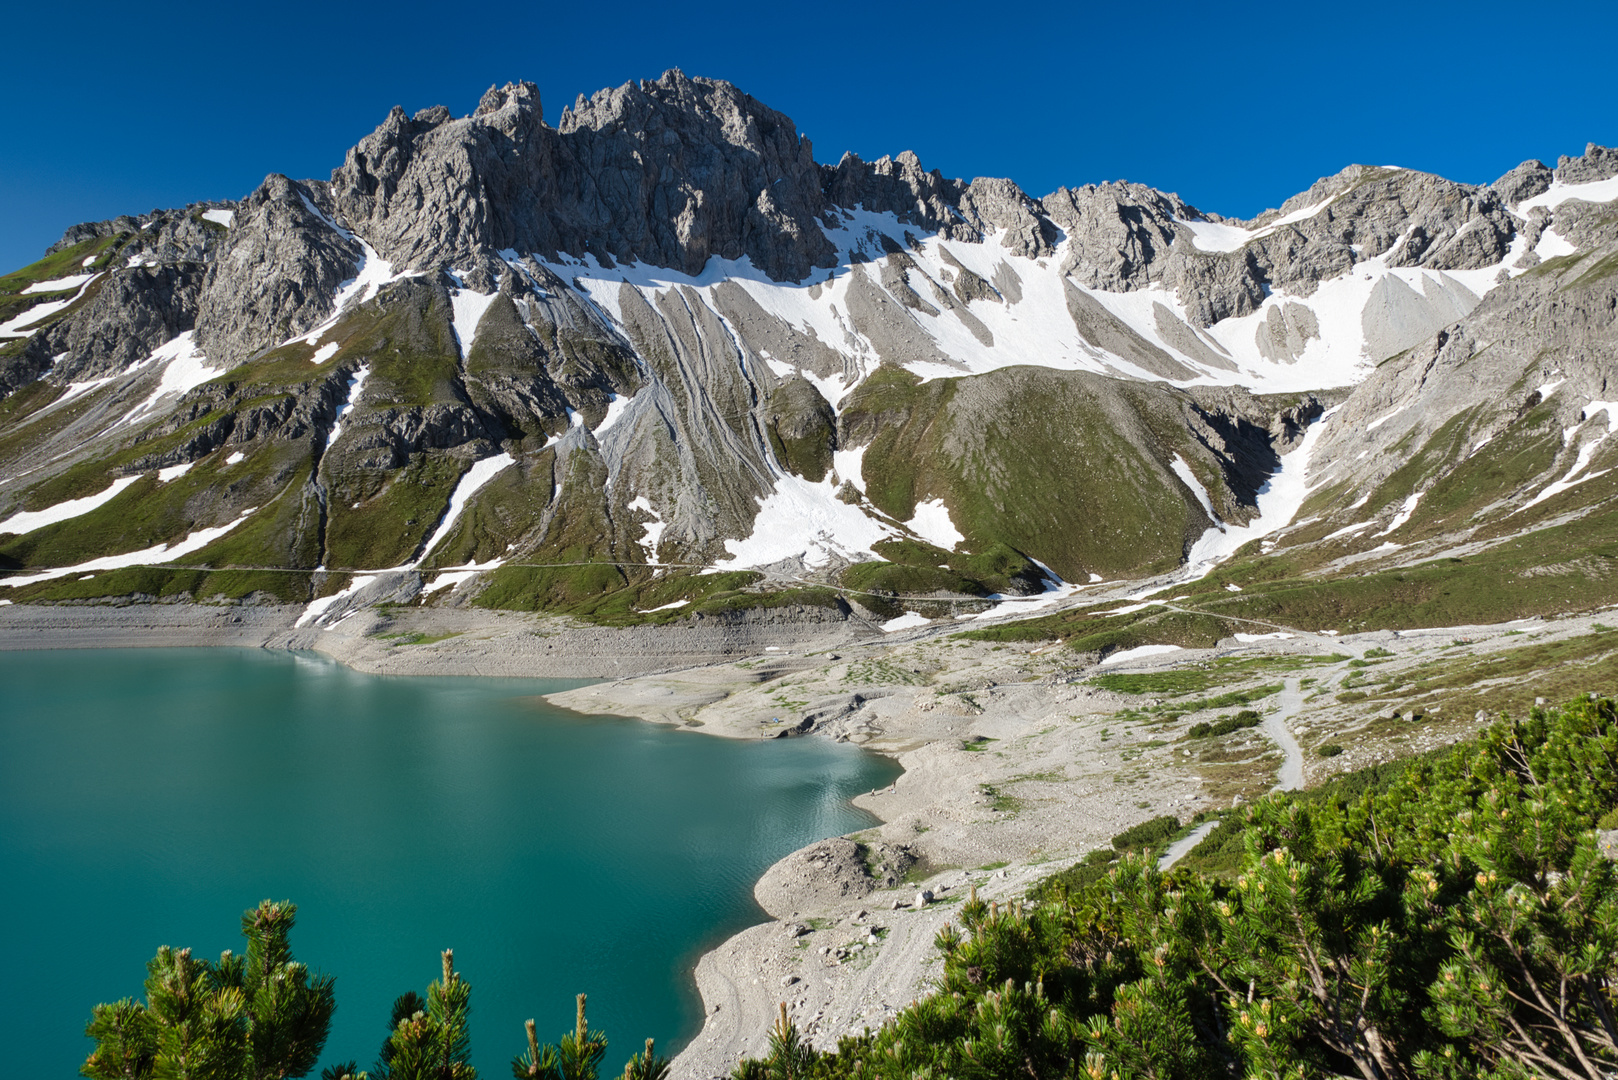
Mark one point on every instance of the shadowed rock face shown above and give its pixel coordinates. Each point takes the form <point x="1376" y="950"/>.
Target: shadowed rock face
<point x="134" y="312"/>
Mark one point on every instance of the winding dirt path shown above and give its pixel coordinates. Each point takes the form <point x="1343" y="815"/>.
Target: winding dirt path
<point x="1275" y="726"/>
<point x="1290" y="777"/>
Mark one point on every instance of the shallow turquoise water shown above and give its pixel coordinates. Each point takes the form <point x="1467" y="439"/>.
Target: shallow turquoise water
<point x="147" y="797"/>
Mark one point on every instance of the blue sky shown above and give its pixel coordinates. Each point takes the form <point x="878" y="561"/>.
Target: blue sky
<point x="119" y="108"/>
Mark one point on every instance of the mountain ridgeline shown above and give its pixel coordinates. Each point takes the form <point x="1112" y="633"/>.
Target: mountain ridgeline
<point x="656" y="362"/>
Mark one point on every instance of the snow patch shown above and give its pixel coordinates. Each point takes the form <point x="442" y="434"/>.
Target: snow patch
<point x="1587" y="453"/>
<point x="325" y="352"/>
<point x="932" y="523"/>
<point x="653" y="533"/>
<point x="454" y="577"/>
<point x="60" y="284"/>
<point x="1189" y="478"/>
<point x="1248" y="639"/>
<point x="234" y="458"/>
<point x="161" y="553"/>
<point x="372" y="273"/>
<point x="1005" y="606"/>
<point x="174" y="472"/>
<point x="850" y="465"/>
<point x="1552" y="244"/>
<point x="469" y="485"/>
<point x="907" y="621"/>
<point x="804" y="520"/>
<point x="29" y="520"/>
<point x="1278" y="503"/>
<point x="1596" y="191"/>
<point x="1384" y="418"/>
<point x="356" y="383"/>
<point x="1212" y="236"/>
<point x="1349" y="530"/>
<point x="616" y="404"/>
<point x="666" y="607"/>
<point x="468" y="308"/>
<point x="1405" y="510"/>
<point x="39" y="312"/>
<point x="79" y="389"/>
<point x="1140" y="652"/>
<point x="184" y="368"/>
<point x="227" y="218"/>
<point x="318" y="607"/>
<point x="1130" y="609"/>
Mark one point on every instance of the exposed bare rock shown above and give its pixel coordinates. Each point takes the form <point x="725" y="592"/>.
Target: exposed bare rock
<point x="1117" y="232"/>
<point x="802" y="428"/>
<point x="817" y="876"/>
<point x="1396" y="316"/>
<point x="1286" y="331"/>
<point x="671" y="172"/>
<point x="1524" y="182"/>
<point x="132" y="312"/>
<point x="1176" y="332"/>
<point x="183" y="235"/>
<point x="1100" y="328"/>
<point x="774" y="339"/>
<point x="900" y="186"/>
<point x="1217" y="287"/>
<point x="277" y="275"/>
<point x="1598" y="163"/>
<point x="1482" y="382"/>
<point x="1407" y="218"/>
<point x="1001" y="205"/>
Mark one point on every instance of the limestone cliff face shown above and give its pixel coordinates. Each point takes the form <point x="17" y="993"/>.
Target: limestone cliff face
<point x="670" y="172"/>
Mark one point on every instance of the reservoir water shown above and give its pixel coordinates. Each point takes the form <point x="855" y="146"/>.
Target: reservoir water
<point x="148" y="797"/>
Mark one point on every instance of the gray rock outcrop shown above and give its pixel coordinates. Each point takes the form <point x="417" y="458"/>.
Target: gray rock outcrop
<point x="1597" y="163"/>
<point x="1118" y="233"/>
<point x="132" y="312"/>
<point x="671" y="172"/>
<point x="1524" y="182"/>
<point x="277" y="275"/>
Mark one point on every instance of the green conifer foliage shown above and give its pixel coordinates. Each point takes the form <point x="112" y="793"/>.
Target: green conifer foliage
<point x="647" y="1065"/>
<point x="1455" y="921"/>
<point x="432" y="1043"/>
<point x="575" y="1056"/>
<point x="249" y="1018"/>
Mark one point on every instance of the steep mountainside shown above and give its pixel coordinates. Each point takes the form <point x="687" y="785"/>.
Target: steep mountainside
<point x="656" y="360"/>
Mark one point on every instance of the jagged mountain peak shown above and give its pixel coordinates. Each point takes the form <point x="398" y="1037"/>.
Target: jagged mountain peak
<point x="659" y="336"/>
<point x="671" y="172"/>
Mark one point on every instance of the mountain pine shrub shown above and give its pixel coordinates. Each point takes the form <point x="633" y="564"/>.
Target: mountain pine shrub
<point x="1453" y="919"/>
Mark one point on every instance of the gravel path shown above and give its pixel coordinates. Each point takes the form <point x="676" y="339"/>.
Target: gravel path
<point x="1183" y="846"/>
<point x="1275" y="726"/>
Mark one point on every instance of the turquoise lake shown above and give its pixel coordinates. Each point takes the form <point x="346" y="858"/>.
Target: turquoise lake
<point x="148" y="797"/>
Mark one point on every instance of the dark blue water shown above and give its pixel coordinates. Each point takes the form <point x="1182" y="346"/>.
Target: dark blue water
<point x="147" y="797"/>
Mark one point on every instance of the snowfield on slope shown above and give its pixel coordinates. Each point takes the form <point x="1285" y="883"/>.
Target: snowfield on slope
<point x="1361" y="316"/>
<point x="1037" y="328"/>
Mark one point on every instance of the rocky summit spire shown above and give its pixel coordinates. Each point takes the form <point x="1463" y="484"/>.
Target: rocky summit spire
<point x="671" y="172"/>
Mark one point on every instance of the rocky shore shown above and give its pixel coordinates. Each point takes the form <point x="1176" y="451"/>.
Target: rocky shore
<point x="1016" y="761"/>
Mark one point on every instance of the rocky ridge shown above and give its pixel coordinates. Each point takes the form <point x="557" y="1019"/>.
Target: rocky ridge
<point x="657" y="338"/>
